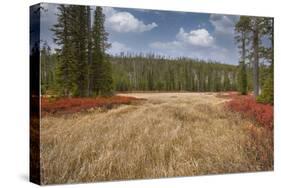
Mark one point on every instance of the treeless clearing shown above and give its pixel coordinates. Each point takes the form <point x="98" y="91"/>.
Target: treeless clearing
<point x="169" y="134"/>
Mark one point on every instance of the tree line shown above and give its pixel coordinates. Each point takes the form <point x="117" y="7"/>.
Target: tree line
<point x="155" y="73"/>
<point x="254" y="37"/>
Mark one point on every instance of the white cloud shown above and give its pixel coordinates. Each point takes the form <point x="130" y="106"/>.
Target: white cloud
<point x="125" y="22"/>
<point x="223" y="24"/>
<point x="117" y="48"/>
<point x="199" y="37"/>
<point x="198" y="43"/>
<point x="194" y="39"/>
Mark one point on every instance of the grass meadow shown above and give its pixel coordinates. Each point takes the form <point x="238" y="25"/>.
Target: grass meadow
<point x="162" y="135"/>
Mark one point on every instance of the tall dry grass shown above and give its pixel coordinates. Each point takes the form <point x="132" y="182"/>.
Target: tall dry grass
<point x="168" y="135"/>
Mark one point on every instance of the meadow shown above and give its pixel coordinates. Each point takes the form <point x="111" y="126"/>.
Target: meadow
<point x="154" y="135"/>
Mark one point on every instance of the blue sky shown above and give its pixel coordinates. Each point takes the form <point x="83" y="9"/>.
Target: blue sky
<point x="169" y="33"/>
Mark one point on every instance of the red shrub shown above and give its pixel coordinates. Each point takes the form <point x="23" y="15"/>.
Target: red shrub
<point x="71" y="105"/>
<point x="248" y="107"/>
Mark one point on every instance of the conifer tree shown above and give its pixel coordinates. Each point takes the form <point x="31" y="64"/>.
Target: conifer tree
<point x="71" y="36"/>
<point x="79" y="41"/>
<point x="90" y="46"/>
<point x="242" y="29"/>
<point x="242" y="78"/>
<point x="101" y="74"/>
<point x="267" y="94"/>
<point x="255" y="28"/>
<point x="45" y="67"/>
<point x="64" y="71"/>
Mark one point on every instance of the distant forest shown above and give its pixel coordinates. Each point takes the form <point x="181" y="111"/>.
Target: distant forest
<point x="151" y="73"/>
<point x="81" y="67"/>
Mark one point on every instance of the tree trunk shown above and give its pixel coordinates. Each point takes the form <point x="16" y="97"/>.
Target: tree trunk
<point x="256" y="58"/>
<point x="243" y="47"/>
<point x="90" y="79"/>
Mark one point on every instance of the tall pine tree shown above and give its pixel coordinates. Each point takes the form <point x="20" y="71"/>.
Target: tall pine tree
<point x="101" y="73"/>
<point x="71" y="35"/>
<point x="242" y="29"/>
<point x="62" y="31"/>
<point x="267" y="94"/>
<point x="79" y="41"/>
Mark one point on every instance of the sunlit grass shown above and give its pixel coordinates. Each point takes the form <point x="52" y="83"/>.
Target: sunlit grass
<point x="169" y="134"/>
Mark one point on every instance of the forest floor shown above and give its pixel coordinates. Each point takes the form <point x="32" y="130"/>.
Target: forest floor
<point x="166" y="135"/>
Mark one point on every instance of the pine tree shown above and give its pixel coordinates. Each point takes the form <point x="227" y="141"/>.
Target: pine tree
<point x="45" y="56"/>
<point x="242" y="29"/>
<point x="256" y="41"/>
<point x="251" y="30"/>
<point x="242" y="78"/>
<point x="79" y="41"/>
<point x="267" y="94"/>
<point x="64" y="71"/>
<point x="90" y="46"/>
<point x="101" y="74"/>
<point x="71" y="33"/>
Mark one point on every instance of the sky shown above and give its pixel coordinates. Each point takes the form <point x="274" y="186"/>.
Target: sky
<point x="168" y="33"/>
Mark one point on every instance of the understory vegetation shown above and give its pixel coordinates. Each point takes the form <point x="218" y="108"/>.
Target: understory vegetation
<point x="73" y="105"/>
<point x="247" y="106"/>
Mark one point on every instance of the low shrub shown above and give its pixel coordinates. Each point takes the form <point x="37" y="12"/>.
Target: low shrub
<point x="248" y="107"/>
<point x="72" y="105"/>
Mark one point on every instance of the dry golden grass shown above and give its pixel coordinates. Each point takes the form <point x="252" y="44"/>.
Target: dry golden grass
<point x="169" y="134"/>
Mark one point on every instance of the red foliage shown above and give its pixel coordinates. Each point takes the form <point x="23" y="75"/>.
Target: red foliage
<point x="71" y="105"/>
<point x="248" y="107"/>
